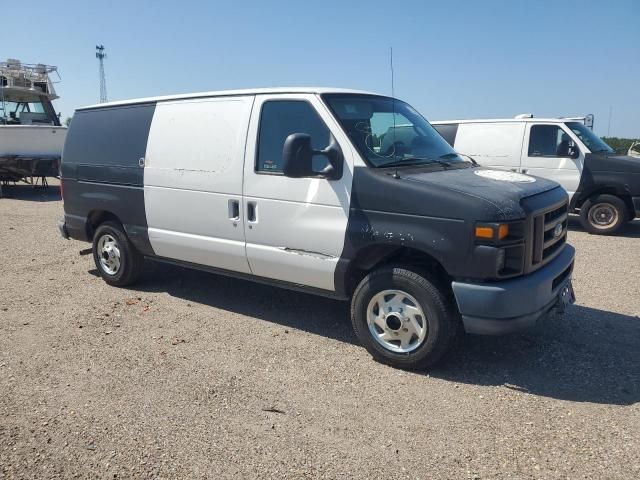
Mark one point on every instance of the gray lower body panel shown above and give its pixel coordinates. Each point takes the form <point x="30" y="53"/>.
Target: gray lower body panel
<point x="85" y="200"/>
<point x="74" y="226"/>
<point x="62" y="228"/>
<point x="502" y="307"/>
<point x="636" y="205"/>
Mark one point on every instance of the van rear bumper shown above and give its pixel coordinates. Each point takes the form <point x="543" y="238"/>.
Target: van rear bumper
<point x="502" y="307"/>
<point x="73" y="226"/>
<point x="62" y="228"/>
<point x="636" y="205"/>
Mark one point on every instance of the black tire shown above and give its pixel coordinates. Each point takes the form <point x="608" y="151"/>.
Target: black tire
<point x="440" y="316"/>
<point x="609" y="209"/>
<point x="130" y="260"/>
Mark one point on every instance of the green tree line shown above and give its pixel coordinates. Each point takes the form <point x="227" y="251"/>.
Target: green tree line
<point x="620" y="145"/>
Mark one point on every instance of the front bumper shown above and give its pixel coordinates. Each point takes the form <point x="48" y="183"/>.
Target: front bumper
<point x="506" y="306"/>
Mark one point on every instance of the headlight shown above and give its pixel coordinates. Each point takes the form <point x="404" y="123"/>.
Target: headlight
<point x="502" y="245"/>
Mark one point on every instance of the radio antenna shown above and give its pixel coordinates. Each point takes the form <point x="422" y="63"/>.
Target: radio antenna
<point x="391" y="65"/>
<point x="101" y="55"/>
<point x="393" y="108"/>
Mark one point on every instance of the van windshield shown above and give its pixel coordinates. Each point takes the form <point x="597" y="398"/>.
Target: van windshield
<point x="389" y="132"/>
<point x="590" y="139"/>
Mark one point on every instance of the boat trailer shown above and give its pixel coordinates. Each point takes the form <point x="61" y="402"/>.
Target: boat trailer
<point x="32" y="170"/>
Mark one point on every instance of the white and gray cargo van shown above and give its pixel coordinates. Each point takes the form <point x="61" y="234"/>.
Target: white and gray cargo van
<point x="336" y="192"/>
<point x="604" y="188"/>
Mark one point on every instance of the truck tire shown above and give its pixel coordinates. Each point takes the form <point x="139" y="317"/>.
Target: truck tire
<point x="603" y="214"/>
<point x="117" y="260"/>
<point x="402" y="318"/>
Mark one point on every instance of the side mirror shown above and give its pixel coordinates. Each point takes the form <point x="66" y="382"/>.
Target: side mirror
<point x="297" y="158"/>
<point x="574" y="151"/>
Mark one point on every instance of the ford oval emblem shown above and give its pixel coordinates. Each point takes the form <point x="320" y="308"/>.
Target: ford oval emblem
<point x="557" y="231"/>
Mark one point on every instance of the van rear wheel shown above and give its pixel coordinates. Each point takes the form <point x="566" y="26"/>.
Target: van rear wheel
<point x="117" y="260"/>
<point x="402" y="318"/>
<point x="603" y="214"/>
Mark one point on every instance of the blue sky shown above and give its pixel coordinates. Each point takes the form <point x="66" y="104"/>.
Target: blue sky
<point x="454" y="59"/>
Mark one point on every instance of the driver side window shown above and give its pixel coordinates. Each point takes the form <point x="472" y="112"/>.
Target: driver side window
<point x="549" y="141"/>
<point x="278" y="120"/>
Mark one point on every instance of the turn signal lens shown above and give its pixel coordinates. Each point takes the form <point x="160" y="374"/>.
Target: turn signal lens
<point x="492" y="232"/>
<point x="503" y="231"/>
<point x="484" y="232"/>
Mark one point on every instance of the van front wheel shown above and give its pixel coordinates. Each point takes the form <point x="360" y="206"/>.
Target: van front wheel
<point x="402" y="318"/>
<point x="603" y="214"/>
<point x="117" y="260"/>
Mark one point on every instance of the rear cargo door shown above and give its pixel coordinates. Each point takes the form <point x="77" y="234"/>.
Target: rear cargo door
<point x="193" y="181"/>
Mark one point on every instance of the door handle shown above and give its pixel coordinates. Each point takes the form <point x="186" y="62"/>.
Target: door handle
<point x="524" y="170"/>
<point x="252" y="212"/>
<point x="234" y="210"/>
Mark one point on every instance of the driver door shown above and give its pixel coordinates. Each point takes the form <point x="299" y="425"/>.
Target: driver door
<point x="295" y="227"/>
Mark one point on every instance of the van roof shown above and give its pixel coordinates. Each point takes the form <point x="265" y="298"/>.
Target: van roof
<point x="511" y="120"/>
<point x="225" y="93"/>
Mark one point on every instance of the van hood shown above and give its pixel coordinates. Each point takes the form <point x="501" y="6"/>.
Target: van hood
<point x="473" y="193"/>
<point x="620" y="173"/>
<point x="600" y="162"/>
<point x="496" y="186"/>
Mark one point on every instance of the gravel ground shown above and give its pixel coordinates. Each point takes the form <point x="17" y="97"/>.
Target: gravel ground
<point x="192" y="375"/>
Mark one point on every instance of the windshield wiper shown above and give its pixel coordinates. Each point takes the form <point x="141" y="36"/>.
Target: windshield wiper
<point x="453" y="154"/>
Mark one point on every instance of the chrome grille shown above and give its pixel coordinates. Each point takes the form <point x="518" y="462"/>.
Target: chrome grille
<point x="548" y="237"/>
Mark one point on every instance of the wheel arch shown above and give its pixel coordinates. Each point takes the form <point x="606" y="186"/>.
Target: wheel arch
<point x="374" y="256"/>
<point x="619" y="192"/>
<point x="97" y="217"/>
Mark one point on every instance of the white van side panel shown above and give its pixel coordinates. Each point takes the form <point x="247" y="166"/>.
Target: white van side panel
<point x="193" y="175"/>
<point x="496" y="145"/>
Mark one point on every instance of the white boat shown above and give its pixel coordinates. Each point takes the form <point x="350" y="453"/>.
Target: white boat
<point x="634" y="150"/>
<point x="31" y="136"/>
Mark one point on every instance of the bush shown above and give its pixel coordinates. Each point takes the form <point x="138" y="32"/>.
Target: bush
<point x="620" y="145"/>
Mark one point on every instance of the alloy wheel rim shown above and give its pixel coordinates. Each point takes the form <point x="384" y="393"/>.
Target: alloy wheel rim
<point x="396" y="321"/>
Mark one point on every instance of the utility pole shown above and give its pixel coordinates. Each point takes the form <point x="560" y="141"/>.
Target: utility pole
<point x="101" y="55"/>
